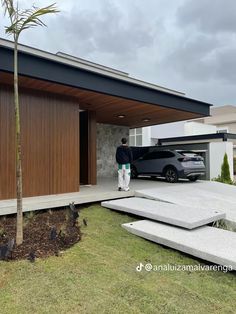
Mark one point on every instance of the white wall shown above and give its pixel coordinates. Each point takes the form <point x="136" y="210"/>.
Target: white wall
<point x="146" y="140"/>
<point x="196" y="128"/>
<point x="168" y="130"/>
<point x="182" y="128"/>
<point x="216" y="152"/>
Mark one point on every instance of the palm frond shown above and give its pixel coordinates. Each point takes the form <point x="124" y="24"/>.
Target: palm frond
<point x="24" y="19"/>
<point x="9" y="7"/>
<point x="31" y="18"/>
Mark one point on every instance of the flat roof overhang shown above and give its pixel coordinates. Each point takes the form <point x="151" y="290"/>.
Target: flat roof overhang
<point x="110" y="97"/>
<point x="224" y="137"/>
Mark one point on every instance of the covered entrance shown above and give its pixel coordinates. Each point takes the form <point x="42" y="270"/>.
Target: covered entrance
<point x="62" y="102"/>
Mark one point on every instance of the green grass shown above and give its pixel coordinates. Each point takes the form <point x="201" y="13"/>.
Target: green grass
<point x="98" y="276"/>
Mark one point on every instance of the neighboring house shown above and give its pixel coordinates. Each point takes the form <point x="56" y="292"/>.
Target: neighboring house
<point x="73" y="115"/>
<point x="224" y="119"/>
<point x="149" y="136"/>
<point x="187" y="135"/>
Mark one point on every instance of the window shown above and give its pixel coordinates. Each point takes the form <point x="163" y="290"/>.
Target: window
<point x="136" y="137"/>
<point x="158" y="155"/>
<point x="149" y="156"/>
<point x="166" y="154"/>
<point x="222" y="131"/>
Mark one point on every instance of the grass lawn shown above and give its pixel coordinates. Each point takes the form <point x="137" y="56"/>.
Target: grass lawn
<point x="98" y="276"/>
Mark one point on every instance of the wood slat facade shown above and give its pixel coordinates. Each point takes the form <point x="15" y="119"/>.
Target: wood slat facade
<point x="50" y="143"/>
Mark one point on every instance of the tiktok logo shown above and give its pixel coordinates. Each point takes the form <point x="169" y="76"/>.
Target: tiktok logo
<point x="139" y="267"/>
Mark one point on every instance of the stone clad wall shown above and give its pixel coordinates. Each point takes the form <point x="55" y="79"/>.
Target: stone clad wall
<point x="108" y="138"/>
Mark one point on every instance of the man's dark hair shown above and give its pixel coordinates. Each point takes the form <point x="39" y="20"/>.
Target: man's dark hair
<point x="124" y="140"/>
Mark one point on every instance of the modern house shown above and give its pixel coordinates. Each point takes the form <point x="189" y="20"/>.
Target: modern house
<point x="73" y="114"/>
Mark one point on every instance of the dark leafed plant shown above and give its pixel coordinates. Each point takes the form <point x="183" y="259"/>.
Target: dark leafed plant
<point x="225" y="172"/>
<point x="21" y="20"/>
<point x="74" y="212"/>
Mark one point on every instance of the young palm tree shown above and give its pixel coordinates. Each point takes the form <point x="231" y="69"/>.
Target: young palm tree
<point x="21" y="20"/>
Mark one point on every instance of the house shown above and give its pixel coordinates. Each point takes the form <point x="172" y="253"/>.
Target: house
<point x="224" y="119"/>
<point x="73" y="114"/>
<point x="211" y="137"/>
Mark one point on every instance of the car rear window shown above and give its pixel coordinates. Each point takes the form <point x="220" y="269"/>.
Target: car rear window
<point x="158" y="155"/>
<point x="188" y="154"/>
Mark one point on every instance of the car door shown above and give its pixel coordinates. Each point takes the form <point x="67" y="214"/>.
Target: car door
<point x="148" y="164"/>
<point x="166" y="158"/>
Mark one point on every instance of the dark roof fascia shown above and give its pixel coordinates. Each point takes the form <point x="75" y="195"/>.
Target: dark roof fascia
<point x="41" y="68"/>
<point x="223" y="136"/>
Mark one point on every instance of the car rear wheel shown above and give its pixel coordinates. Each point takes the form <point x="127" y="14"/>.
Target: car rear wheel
<point x="171" y="175"/>
<point x="193" y="179"/>
<point x="134" y="173"/>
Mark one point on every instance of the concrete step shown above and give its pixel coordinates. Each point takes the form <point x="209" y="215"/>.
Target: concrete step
<point x="211" y="244"/>
<point x="182" y="216"/>
<point x="214" y="195"/>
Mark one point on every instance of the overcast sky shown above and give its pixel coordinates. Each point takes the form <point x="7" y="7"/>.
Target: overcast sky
<point x="187" y="45"/>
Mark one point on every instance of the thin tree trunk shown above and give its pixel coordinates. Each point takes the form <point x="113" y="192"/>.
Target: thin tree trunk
<point x="19" y="223"/>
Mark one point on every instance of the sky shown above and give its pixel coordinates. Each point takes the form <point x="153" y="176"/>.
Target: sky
<point x="185" y="45"/>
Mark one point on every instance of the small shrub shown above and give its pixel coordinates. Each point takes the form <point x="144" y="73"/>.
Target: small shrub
<point x="28" y="217"/>
<point x="224" y="177"/>
<point x="222" y="224"/>
<point x="63" y="231"/>
<point x="225" y="172"/>
<point x="2" y="232"/>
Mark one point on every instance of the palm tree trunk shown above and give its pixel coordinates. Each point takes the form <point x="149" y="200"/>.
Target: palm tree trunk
<point x="19" y="223"/>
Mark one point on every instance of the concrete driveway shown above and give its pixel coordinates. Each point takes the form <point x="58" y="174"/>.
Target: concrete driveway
<point x="200" y="194"/>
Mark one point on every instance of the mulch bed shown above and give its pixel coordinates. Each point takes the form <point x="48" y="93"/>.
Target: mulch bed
<point x="46" y="233"/>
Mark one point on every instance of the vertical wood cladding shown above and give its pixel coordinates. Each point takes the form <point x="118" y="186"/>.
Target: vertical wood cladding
<point x="50" y="143"/>
<point x="92" y="158"/>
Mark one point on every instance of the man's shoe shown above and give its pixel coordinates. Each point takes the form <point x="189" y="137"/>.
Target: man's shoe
<point x="126" y="190"/>
<point x="119" y="189"/>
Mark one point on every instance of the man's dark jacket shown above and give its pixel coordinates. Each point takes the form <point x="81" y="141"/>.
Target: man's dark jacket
<point x="124" y="155"/>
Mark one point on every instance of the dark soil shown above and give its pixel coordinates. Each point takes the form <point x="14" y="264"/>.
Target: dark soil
<point x="46" y="233"/>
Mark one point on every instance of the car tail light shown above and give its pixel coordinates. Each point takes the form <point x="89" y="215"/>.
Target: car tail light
<point x="184" y="159"/>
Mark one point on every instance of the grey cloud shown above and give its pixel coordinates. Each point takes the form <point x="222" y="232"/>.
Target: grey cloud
<point x="106" y="30"/>
<point x="207" y="51"/>
<point x="194" y="59"/>
<point x="188" y="45"/>
<point x="226" y="65"/>
<point x="211" y="16"/>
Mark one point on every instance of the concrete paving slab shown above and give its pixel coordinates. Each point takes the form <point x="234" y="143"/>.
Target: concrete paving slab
<point x="182" y="216"/>
<point x="211" y="244"/>
<point x="106" y="189"/>
<point x="203" y="195"/>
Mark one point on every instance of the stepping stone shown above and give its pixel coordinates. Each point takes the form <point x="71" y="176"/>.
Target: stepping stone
<point x="214" y="195"/>
<point x="182" y="216"/>
<point x="211" y="244"/>
<point x="193" y="195"/>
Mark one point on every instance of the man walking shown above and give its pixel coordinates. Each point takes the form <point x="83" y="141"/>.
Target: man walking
<point x="123" y="158"/>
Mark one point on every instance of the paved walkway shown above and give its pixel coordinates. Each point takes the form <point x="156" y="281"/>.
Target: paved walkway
<point x="106" y="189"/>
